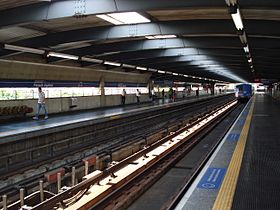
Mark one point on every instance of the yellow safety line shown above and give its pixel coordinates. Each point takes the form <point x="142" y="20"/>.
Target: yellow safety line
<point x="226" y="192"/>
<point x="115" y="117"/>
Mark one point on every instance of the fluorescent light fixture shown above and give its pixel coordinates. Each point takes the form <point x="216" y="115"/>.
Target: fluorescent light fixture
<point x="109" y="19"/>
<point x="243" y="38"/>
<point x="128" y="66"/>
<point x="161" y="72"/>
<point x="23" y="49"/>
<point x="124" y="18"/>
<point x="250" y="60"/>
<point x="92" y="60"/>
<point x="153" y="70"/>
<point x="150" y="37"/>
<point x="112" y="63"/>
<point x="186" y="75"/>
<point x="161" y="36"/>
<point x="246" y="49"/>
<point x="237" y="20"/>
<point x="169" y="72"/>
<point x="141" y="68"/>
<point x="175" y="74"/>
<point x="62" y="55"/>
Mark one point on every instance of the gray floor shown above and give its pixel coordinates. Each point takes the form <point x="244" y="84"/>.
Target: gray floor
<point x="204" y="190"/>
<point x="258" y="185"/>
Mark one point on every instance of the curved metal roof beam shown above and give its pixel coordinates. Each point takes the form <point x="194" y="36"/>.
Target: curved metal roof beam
<point x="203" y="27"/>
<point x="45" y="11"/>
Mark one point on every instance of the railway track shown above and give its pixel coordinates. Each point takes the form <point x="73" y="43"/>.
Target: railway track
<point x="93" y="136"/>
<point x="126" y="194"/>
<point x="177" y="144"/>
<point x="130" y="130"/>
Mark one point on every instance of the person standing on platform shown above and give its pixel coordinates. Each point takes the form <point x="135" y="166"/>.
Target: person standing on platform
<point x="189" y="91"/>
<point x="153" y="95"/>
<point x="163" y="94"/>
<point x="184" y="93"/>
<point x="123" y="96"/>
<point x="197" y="92"/>
<point x="138" y="96"/>
<point x="41" y="104"/>
<point x="170" y="93"/>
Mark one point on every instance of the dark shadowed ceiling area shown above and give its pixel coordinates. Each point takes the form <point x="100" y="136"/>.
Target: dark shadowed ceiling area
<point x="205" y="41"/>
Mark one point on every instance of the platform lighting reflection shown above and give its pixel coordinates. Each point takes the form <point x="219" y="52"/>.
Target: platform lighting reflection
<point x="203" y="122"/>
<point x="62" y="55"/>
<point x="162" y="148"/>
<point x="170" y="36"/>
<point x="112" y="63"/>
<point x="141" y="68"/>
<point x="23" y="49"/>
<point x="237" y="20"/>
<point x="124" y="18"/>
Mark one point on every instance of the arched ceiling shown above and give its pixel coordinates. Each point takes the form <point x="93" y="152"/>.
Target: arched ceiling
<point x="207" y="43"/>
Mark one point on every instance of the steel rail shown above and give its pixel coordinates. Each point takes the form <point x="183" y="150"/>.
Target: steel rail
<point x="87" y="183"/>
<point x="166" y="160"/>
<point x="29" y="180"/>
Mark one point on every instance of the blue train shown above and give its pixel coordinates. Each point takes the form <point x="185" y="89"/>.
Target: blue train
<point x="243" y="92"/>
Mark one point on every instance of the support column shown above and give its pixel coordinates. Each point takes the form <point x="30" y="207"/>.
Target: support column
<point x="212" y="88"/>
<point x="150" y="87"/>
<point x="102" y="90"/>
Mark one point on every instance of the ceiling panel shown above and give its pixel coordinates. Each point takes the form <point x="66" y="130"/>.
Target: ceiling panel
<point x="7" y="4"/>
<point x="13" y="34"/>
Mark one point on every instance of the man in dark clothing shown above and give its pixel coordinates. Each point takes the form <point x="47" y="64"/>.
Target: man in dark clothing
<point x="123" y="96"/>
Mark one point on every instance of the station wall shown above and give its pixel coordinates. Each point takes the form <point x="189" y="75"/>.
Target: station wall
<point x="58" y="105"/>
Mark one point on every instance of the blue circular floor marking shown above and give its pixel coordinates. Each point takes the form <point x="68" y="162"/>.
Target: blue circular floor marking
<point x="208" y="185"/>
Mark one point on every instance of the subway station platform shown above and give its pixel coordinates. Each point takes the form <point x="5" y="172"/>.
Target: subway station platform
<point x="16" y="130"/>
<point x="243" y="173"/>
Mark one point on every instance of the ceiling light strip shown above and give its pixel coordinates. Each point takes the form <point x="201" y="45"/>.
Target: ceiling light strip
<point x="112" y="63"/>
<point x="141" y="68"/>
<point x="91" y="60"/>
<point x="24" y="49"/>
<point x="237" y="20"/>
<point x="62" y="55"/>
<point x="170" y="36"/>
<point x="124" y="18"/>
